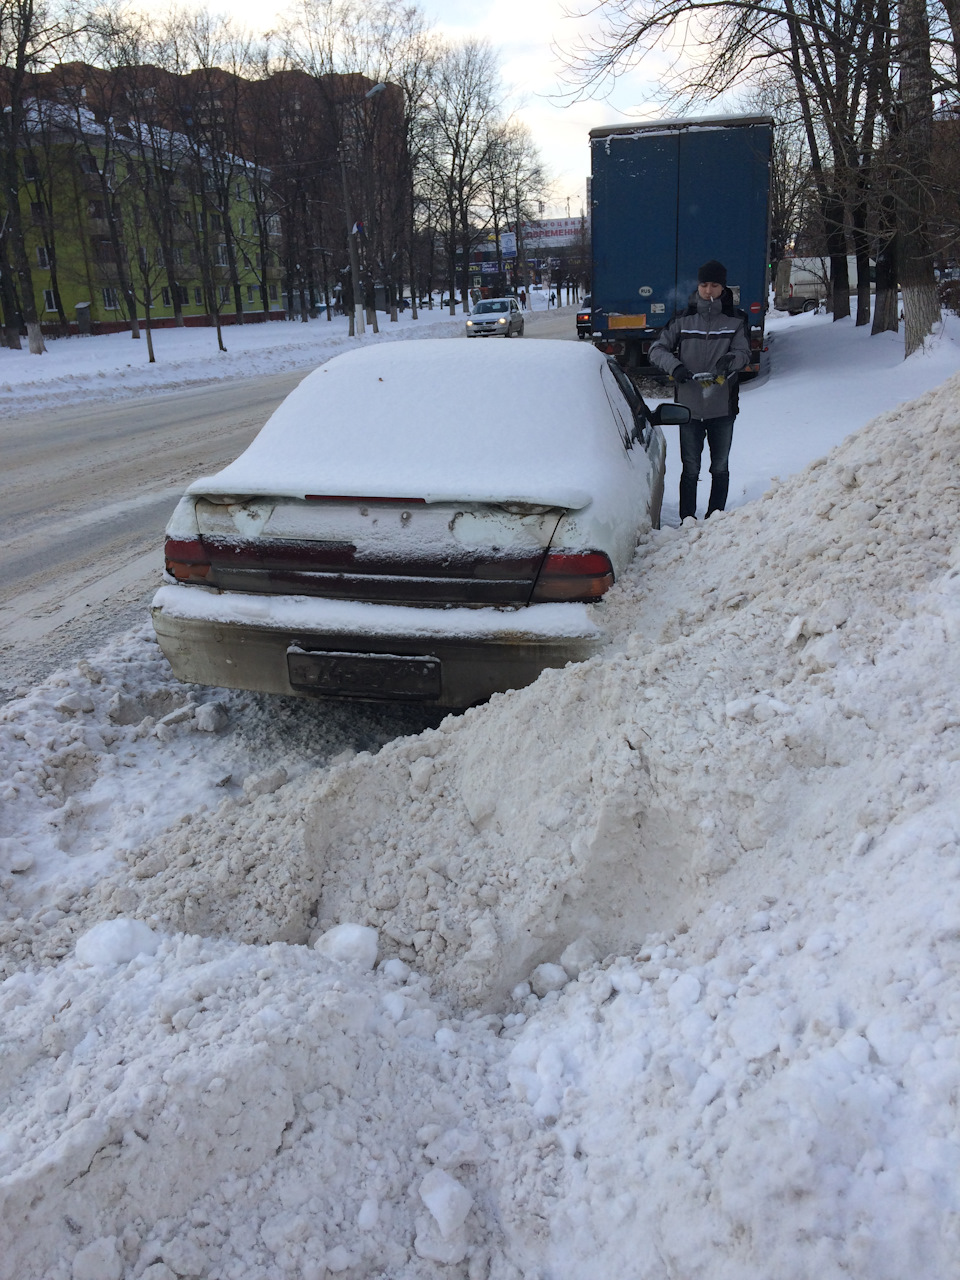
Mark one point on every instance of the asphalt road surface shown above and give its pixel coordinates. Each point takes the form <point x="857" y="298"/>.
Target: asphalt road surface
<point x="86" y="492"/>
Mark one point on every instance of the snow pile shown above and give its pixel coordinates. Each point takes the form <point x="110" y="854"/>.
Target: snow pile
<point x="97" y="759"/>
<point x="665" y="950"/>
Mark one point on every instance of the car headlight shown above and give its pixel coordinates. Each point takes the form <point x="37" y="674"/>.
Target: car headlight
<point x="469" y="324"/>
<point x="502" y="320"/>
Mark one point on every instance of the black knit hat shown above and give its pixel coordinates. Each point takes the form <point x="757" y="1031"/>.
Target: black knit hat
<point x="712" y="273"/>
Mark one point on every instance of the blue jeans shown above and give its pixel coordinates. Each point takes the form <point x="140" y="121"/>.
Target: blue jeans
<point x="718" y="432"/>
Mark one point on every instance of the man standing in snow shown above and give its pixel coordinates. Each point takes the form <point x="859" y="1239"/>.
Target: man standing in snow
<point x="703" y="349"/>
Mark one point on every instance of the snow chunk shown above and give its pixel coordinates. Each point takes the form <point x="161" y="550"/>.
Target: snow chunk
<point x="99" y="1261"/>
<point x="116" y="942"/>
<point x="579" y="955"/>
<point x="212" y="717"/>
<point x="355" y="944"/>
<point x="548" y="977"/>
<point x="448" y="1201"/>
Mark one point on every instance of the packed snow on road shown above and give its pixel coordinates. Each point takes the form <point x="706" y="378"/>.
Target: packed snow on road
<point x="647" y="970"/>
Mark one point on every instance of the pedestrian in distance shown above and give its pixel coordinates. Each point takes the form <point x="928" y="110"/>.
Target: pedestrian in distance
<point x="523" y="299"/>
<point x="553" y="298"/>
<point x="703" y="349"/>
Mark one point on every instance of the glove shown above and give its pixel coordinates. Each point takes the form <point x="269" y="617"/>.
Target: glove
<point x="681" y="374"/>
<point x="725" y="365"/>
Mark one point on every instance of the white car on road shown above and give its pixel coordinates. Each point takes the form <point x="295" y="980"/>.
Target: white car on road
<point x="421" y="520"/>
<point x="495" y="316"/>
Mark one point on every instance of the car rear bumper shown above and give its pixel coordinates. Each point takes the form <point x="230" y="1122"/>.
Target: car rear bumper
<point x="217" y="639"/>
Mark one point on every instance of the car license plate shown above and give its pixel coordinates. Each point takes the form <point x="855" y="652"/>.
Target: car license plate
<point x="364" y="675"/>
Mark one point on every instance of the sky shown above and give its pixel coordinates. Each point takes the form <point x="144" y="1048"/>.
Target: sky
<point x="531" y="38"/>
<point x="528" y="37"/>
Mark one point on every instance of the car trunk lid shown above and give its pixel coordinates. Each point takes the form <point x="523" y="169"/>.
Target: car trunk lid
<point x="385" y="550"/>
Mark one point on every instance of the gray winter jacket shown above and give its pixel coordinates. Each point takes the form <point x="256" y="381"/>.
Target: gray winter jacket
<point x="699" y="338"/>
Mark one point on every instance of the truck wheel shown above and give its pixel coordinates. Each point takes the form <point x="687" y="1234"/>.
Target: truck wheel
<point x="810" y="305"/>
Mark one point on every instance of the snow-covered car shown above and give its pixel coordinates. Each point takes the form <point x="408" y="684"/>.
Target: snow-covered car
<point x="493" y="316"/>
<point x="422" y="521"/>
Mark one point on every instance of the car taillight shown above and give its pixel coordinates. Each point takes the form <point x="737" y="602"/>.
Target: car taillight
<point x="573" y="576"/>
<point x="186" y="560"/>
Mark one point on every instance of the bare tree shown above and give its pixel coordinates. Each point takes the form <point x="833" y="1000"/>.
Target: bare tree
<point x="464" y="102"/>
<point x="32" y="34"/>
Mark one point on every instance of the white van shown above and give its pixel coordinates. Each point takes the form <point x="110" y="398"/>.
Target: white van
<point x="802" y="284"/>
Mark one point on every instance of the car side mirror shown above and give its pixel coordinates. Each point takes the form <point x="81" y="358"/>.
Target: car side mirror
<point x="670" y="415"/>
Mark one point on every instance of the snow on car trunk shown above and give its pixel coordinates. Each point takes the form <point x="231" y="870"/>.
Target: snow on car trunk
<point x="719" y="862"/>
<point x="385" y="422"/>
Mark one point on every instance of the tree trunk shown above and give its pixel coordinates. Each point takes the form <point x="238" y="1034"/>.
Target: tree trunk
<point x="921" y="304"/>
<point x="837" y="249"/>
<point x="861" y="247"/>
<point x="886" y="311"/>
<point x="151" y="358"/>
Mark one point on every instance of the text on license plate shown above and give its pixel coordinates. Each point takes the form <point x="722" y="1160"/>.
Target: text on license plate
<point x="364" y="675"/>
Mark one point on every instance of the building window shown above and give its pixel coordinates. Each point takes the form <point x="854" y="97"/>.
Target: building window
<point x="109" y="299"/>
<point x="216" y="222"/>
<point x="273" y="224"/>
<point x="43" y="257"/>
<point x="36" y="213"/>
<point x="95" y="209"/>
<point x="104" y="251"/>
<point x="220" y="255"/>
<point x="198" y="296"/>
<point x="49" y="301"/>
<point x="184" y="295"/>
<point x="250" y="293"/>
<point x="243" y="226"/>
<point x="177" y="256"/>
<point x="88" y="164"/>
<point x="165" y="295"/>
<point x="224" y="294"/>
<point x="143" y="258"/>
<point x="273" y="293"/>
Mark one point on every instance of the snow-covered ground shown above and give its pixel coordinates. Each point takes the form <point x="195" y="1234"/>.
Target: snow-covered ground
<point x="647" y="971"/>
<point x="115" y="366"/>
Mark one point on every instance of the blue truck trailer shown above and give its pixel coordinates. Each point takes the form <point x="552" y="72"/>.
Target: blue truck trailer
<point x="666" y="197"/>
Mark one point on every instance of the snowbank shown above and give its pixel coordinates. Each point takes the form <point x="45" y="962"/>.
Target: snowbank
<point x="114" y="366"/>
<point x="667" y="944"/>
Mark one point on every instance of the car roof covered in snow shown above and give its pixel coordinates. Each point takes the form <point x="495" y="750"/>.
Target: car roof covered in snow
<point x="438" y="419"/>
